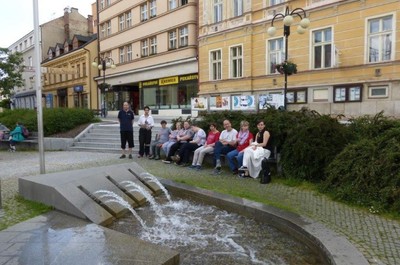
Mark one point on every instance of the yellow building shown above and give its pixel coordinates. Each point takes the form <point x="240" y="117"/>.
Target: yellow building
<point x="347" y="59"/>
<point x="68" y="78"/>
<point x="153" y="45"/>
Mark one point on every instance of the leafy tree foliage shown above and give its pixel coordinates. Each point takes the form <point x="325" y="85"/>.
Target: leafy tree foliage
<point x="10" y="71"/>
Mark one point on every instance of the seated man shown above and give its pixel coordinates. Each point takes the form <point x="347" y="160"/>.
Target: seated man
<point x="162" y="137"/>
<point x="227" y="142"/>
<point x="199" y="139"/>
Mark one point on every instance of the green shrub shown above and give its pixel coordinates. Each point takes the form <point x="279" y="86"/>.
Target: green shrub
<point x="367" y="173"/>
<point x="311" y="145"/>
<point x="54" y="120"/>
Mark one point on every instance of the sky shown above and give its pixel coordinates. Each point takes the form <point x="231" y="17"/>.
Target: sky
<point x="16" y="16"/>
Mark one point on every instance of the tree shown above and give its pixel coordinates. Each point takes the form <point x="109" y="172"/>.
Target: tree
<point x="11" y="67"/>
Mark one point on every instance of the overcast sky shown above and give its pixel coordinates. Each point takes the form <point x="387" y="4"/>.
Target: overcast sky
<point x="16" y="16"/>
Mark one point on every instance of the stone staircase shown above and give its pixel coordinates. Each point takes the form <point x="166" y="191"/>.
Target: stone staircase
<point x="105" y="137"/>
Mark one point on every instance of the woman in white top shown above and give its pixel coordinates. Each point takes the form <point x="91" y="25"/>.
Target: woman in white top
<point x="146" y="123"/>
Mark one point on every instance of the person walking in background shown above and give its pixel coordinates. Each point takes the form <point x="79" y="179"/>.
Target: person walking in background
<point x="256" y="152"/>
<point x="199" y="140"/>
<point x="172" y="138"/>
<point x="16" y="136"/>
<point x="162" y="137"/>
<point x="125" y="118"/>
<point x="227" y="142"/>
<point x="146" y="123"/>
<point x="208" y="147"/>
<point x="243" y="140"/>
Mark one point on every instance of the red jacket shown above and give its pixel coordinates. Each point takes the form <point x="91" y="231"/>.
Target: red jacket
<point x="246" y="143"/>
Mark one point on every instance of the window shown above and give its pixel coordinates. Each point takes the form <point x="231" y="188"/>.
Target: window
<point x="102" y="4"/>
<point x="172" y="4"/>
<point x="172" y="40"/>
<point x="153" y="45"/>
<point x="103" y="31"/>
<point x="347" y="93"/>
<point x="236" y="61"/>
<point x="217" y="11"/>
<point x="380" y="34"/>
<point x="128" y="19"/>
<point x="30" y="41"/>
<point x="145" y="48"/>
<point x="237" y="8"/>
<point x="275" y="2"/>
<point x="108" y="2"/>
<point x="121" y="55"/>
<point x="184" y="2"/>
<point x="129" y="53"/>
<point x="183" y="36"/>
<point x="121" y="22"/>
<point x="296" y="96"/>
<point x="143" y="12"/>
<point x="378" y="92"/>
<point x="153" y="8"/>
<point x="276" y="53"/>
<point x="108" y="28"/>
<point x="26" y="44"/>
<point x="215" y="65"/>
<point x="83" y="69"/>
<point x="322" y="48"/>
<point x="320" y="95"/>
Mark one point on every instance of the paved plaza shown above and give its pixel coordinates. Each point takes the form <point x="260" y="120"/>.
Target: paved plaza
<point x="376" y="237"/>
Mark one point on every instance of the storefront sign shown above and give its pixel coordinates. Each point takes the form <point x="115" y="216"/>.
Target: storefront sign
<point x="185" y="78"/>
<point x="149" y="83"/>
<point x="169" y="81"/>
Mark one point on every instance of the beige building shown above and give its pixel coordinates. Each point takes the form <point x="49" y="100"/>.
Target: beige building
<point x="154" y="47"/>
<point x="68" y="77"/>
<point x="347" y="59"/>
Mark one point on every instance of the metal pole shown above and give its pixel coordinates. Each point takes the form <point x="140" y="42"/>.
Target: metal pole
<point x="38" y="86"/>
<point x="286" y="33"/>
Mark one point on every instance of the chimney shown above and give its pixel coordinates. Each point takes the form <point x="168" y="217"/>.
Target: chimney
<point x="90" y="24"/>
<point x="66" y="23"/>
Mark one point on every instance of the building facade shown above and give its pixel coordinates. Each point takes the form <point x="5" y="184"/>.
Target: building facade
<point x="347" y="59"/>
<point x="154" y="47"/>
<point x="55" y="31"/>
<point x="67" y="76"/>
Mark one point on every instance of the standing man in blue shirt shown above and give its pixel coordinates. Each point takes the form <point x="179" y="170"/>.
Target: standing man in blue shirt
<point x="125" y="118"/>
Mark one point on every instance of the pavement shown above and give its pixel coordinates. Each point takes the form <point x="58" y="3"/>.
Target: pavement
<point x="377" y="237"/>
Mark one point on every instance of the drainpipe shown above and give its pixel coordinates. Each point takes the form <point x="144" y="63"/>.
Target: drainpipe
<point x="90" y="83"/>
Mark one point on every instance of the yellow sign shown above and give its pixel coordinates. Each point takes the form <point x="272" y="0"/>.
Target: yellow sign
<point x="188" y="77"/>
<point x="149" y="83"/>
<point x="169" y="81"/>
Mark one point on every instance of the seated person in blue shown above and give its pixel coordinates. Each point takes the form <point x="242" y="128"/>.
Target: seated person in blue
<point x="16" y="137"/>
<point x="162" y="137"/>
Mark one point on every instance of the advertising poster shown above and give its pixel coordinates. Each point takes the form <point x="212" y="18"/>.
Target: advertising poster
<point x="199" y="103"/>
<point x="220" y="103"/>
<point x="270" y="100"/>
<point x="244" y="102"/>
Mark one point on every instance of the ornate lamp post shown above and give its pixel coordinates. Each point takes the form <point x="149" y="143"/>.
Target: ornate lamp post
<point x="102" y="63"/>
<point x="287" y="21"/>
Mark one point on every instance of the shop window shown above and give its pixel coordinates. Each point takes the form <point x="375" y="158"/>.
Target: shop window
<point x="347" y="93"/>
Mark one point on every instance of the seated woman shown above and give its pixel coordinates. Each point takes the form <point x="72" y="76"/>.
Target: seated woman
<point x="16" y="137"/>
<point x="184" y="135"/>
<point x="243" y="139"/>
<point x="172" y="138"/>
<point x="199" y="140"/>
<point x="208" y="147"/>
<point x="256" y="152"/>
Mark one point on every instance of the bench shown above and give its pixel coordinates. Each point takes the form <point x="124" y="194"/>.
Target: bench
<point x="30" y="143"/>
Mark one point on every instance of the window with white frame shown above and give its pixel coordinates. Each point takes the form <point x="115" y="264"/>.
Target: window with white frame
<point x="347" y="93"/>
<point x="108" y="2"/>
<point x="380" y="35"/>
<point x="215" y="65"/>
<point x="172" y="4"/>
<point x="153" y="45"/>
<point x="30" y="61"/>
<point x="237" y="8"/>
<point x="121" y="22"/>
<point x="275" y="2"/>
<point x="217" y="11"/>
<point x="320" y="95"/>
<point x="143" y="12"/>
<point x="236" y="61"/>
<point x="183" y="36"/>
<point x="128" y="16"/>
<point x="322" y="48"/>
<point x="121" y="55"/>
<point x="172" y="40"/>
<point x="145" y="48"/>
<point x="129" y="56"/>
<point x="108" y="23"/>
<point x="103" y="30"/>
<point x="102" y="4"/>
<point x="153" y="8"/>
<point x="276" y="54"/>
<point x="378" y="91"/>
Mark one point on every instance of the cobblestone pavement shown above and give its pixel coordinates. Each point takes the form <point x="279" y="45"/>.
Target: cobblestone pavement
<point x="376" y="237"/>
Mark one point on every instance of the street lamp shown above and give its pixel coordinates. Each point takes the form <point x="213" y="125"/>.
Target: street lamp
<point x="287" y="22"/>
<point x="102" y="63"/>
